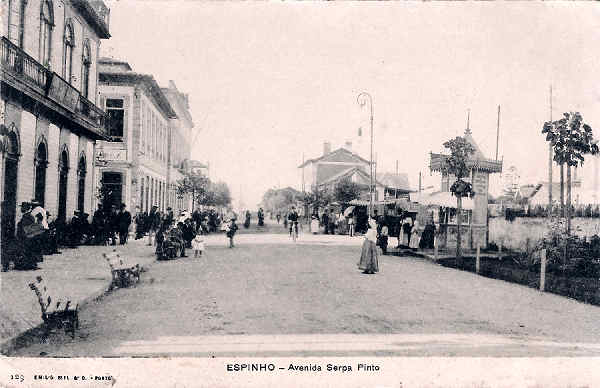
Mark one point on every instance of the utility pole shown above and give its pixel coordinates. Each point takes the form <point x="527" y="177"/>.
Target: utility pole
<point x="550" y="163"/>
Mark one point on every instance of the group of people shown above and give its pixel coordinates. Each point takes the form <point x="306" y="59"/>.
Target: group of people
<point x="38" y="233"/>
<point x="411" y="235"/>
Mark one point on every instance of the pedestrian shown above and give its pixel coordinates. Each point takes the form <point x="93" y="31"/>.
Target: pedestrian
<point x="230" y="231"/>
<point x="332" y="222"/>
<point x="406" y="231"/>
<point x="153" y="223"/>
<point x="29" y="248"/>
<point x="261" y="217"/>
<point x="198" y="244"/>
<point x="124" y="223"/>
<point x="98" y="226"/>
<point x="113" y="225"/>
<point x="314" y="224"/>
<point x="247" y="220"/>
<point x="428" y="237"/>
<point x="351" y="221"/>
<point x="415" y="235"/>
<point x="383" y="238"/>
<point x="278" y="217"/>
<point x="325" y="221"/>
<point x="369" y="257"/>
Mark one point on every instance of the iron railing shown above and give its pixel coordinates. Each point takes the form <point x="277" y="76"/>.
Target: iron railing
<point x="17" y="61"/>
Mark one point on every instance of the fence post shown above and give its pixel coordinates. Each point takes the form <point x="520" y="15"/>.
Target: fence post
<point x="477" y="259"/>
<point x="543" y="270"/>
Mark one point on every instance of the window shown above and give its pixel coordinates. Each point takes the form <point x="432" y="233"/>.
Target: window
<point x="46" y="24"/>
<point x="68" y="53"/>
<point x="81" y="173"/>
<point x="41" y="163"/>
<point x="85" y="76"/>
<point x="115" y="113"/>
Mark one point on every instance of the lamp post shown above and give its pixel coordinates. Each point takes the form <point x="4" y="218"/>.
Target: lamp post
<point x="362" y="100"/>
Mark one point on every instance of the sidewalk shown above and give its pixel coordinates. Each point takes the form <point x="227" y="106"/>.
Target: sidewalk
<point x="80" y="274"/>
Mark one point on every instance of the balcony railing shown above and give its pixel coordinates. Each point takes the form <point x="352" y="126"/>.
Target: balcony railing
<point x="102" y="10"/>
<point x="50" y="85"/>
<point x="17" y="61"/>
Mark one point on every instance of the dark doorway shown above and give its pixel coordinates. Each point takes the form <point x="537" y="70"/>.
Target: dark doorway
<point x="112" y="183"/>
<point x="62" y="186"/>
<point x="41" y="163"/>
<point x="9" y="205"/>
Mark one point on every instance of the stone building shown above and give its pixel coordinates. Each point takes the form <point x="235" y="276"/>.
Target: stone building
<point x="181" y="140"/>
<point x="48" y="114"/>
<point x="133" y="165"/>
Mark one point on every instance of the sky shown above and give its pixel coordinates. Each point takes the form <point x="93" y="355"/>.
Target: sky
<point x="269" y="82"/>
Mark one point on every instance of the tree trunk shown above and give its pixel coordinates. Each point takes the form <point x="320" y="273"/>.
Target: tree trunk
<point x="458" y="236"/>
<point x="550" y="180"/>
<point x="562" y="190"/>
<point x="568" y="199"/>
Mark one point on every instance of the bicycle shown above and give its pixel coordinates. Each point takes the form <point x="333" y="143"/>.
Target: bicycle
<point x="294" y="230"/>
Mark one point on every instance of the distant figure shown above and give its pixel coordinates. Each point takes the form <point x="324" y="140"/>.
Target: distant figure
<point x="247" y="220"/>
<point x="415" y="235"/>
<point x="351" y="223"/>
<point x="198" y="244"/>
<point x="383" y="238"/>
<point x="314" y="224"/>
<point x="325" y="220"/>
<point x="124" y="223"/>
<point x="261" y="217"/>
<point x="278" y="217"/>
<point x="230" y="231"/>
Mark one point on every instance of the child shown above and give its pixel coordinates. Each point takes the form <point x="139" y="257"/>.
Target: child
<point x="198" y="244"/>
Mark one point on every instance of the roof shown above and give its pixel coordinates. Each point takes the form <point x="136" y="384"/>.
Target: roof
<point x="176" y="97"/>
<point x="442" y="198"/>
<point x="478" y="161"/>
<point x="133" y="78"/>
<point x="394" y="181"/>
<point x="96" y="13"/>
<point x="349" y="171"/>
<point x="340" y="155"/>
<point x="528" y="191"/>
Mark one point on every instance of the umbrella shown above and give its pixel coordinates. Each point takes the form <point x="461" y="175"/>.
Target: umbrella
<point x="348" y="210"/>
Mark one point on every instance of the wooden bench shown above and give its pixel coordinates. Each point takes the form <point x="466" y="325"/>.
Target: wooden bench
<point x="124" y="273"/>
<point x="55" y="311"/>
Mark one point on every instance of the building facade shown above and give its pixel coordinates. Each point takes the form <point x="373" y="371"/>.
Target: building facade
<point x="181" y="140"/>
<point x="49" y="118"/>
<point x="333" y="166"/>
<point x="132" y="167"/>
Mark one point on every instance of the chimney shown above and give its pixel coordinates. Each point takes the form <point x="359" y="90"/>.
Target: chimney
<point x="348" y="146"/>
<point x="326" y="148"/>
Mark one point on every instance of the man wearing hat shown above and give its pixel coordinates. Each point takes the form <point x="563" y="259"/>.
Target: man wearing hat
<point x="153" y="224"/>
<point x="25" y="238"/>
<point x="124" y="222"/>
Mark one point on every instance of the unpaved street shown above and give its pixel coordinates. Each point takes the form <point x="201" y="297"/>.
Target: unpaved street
<point x="269" y="296"/>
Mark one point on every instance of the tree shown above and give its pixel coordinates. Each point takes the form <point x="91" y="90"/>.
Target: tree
<point x="320" y="197"/>
<point x="456" y="164"/>
<point x="570" y="139"/>
<point x="346" y="190"/>
<point x="193" y="183"/>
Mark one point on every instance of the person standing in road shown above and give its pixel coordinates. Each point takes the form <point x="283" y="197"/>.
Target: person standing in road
<point x="124" y="223"/>
<point x="293" y="220"/>
<point x="369" y="257"/>
<point x="153" y="224"/>
<point x="325" y="221"/>
<point x="230" y="231"/>
<point x="383" y="238"/>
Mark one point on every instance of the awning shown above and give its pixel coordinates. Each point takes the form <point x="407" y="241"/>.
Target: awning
<point x="444" y="199"/>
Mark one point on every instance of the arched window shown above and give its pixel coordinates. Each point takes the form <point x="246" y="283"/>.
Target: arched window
<point x="68" y="52"/>
<point x="41" y="163"/>
<point x="46" y="25"/>
<point x="86" y="63"/>
<point x="63" y="174"/>
<point x="81" y="172"/>
<point x="11" y="167"/>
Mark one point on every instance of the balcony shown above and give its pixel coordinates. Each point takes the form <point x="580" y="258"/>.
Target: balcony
<point x="16" y="61"/>
<point x="28" y="76"/>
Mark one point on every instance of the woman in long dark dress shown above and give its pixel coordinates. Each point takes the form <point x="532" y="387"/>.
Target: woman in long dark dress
<point x="369" y="256"/>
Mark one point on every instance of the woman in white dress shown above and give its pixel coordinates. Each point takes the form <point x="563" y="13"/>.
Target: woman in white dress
<point x="314" y="224"/>
<point x="415" y="235"/>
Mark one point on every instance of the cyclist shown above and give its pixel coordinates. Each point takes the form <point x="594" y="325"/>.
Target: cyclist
<point x="293" y="219"/>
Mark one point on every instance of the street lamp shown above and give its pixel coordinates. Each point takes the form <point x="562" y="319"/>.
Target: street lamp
<point x="362" y="100"/>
